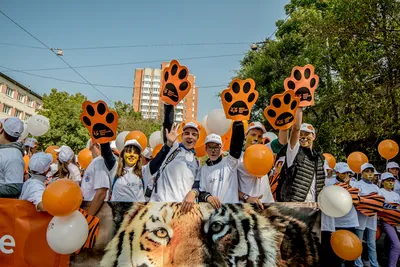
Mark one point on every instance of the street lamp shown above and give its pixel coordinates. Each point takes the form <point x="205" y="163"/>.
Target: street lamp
<point x="254" y="46"/>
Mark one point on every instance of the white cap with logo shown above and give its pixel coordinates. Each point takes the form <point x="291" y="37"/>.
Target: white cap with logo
<point x="191" y="125"/>
<point x="386" y="175"/>
<point x="342" y="167"/>
<point x="12" y="126"/>
<point x="213" y="138"/>
<point x="256" y="125"/>
<point x="133" y="142"/>
<point x="367" y="166"/>
<point x="40" y="162"/>
<point x="392" y="165"/>
<point x="65" y="153"/>
<point x="31" y="142"/>
<point x="308" y="128"/>
<point x="147" y="153"/>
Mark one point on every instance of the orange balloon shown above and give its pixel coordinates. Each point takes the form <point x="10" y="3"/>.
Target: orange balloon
<point x="202" y="134"/>
<point x="51" y="151"/>
<point x="139" y="136"/>
<point x="201" y="151"/>
<point x="156" y="149"/>
<point x="355" y="160"/>
<point x="85" y="158"/>
<point x="62" y="197"/>
<point x="346" y="245"/>
<point x="330" y="159"/>
<point x="258" y="160"/>
<point x="388" y="149"/>
<point x="26" y="160"/>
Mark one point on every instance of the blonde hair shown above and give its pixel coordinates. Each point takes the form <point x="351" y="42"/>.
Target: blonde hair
<point x="137" y="169"/>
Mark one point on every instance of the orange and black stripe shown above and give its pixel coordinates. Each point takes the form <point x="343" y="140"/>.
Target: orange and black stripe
<point x="390" y="216"/>
<point x="93" y="223"/>
<point x="371" y="204"/>
<point x="273" y="183"/>
<point x="353" y="192"/>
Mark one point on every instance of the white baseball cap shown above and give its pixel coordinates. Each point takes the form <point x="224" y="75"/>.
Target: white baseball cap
<point x="367" y="166"/>
<point x="386" y="175"/>
<point x="65" y="153"/>
<point x="326" y="166"/>
<point x="31" y="142"/>
<point x="13" y="126"/>
<point x="40" y="162"/>
<point x="256" y="125"/>
<point x="213" y="138"/>
<point x="191" y="125"/>
<point x="133" y="142"/>
<point x="308" y="128"/>
<point x="342" y="167"/>
<point x="147" y="153"/>
<point x="392" y="165"/>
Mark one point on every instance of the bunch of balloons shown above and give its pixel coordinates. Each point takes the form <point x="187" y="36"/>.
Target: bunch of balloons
<point x="68" y="230"/>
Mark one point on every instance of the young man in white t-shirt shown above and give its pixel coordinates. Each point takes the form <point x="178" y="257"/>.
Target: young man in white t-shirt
<point x="33" y="188"/>
<point x="218" y="178"/>
<point x="394" y="168"/>
<point x="96" y="181"/>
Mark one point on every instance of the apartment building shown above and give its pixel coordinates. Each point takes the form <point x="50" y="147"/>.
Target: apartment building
<point x="16" y="100"/>
<point x="146" y="95"/>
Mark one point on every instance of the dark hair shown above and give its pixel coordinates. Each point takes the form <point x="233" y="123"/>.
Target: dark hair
<point x="121" y="162"/>
<point x="9" y="137"/>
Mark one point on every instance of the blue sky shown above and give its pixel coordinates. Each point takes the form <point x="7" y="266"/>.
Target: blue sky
<point x="77" y="24"/>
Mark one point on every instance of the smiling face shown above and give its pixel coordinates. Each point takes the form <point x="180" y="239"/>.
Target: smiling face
<point x="213" y="150"/>
<point x="368" y="174"/>
<point x="131" y="155"/>
<point x="306" y="139"/>
<point x="388" y="184"/>
<point x="190" y="137"/>
<point x="253" y="137"/>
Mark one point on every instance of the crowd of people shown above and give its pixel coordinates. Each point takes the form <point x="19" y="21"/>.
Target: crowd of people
<point x="176" y="175"/>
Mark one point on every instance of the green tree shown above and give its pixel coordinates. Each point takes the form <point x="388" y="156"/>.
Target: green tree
<point x="129" y="120"/>
<point x="63" y="111"/>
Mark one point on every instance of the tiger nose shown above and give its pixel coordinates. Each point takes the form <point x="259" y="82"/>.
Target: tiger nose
<point x="190" y="254"/>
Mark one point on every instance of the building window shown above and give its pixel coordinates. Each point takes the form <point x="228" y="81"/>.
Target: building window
<point x="30" y="102"/>
<point x="21" y="98"/>
<point x="10" y="92"/>
<point x="38" y="106"/>
<point x="7" y="110"/>
<point x="18" y="114"/>
<point x="156" y="77"/>
<point x="27" y="116"/>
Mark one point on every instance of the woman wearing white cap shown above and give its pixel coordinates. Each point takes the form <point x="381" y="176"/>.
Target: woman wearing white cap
<point x="387" y="180"/>
<point x="30" y="146"/>
<point x="394" y="168"/>
<point x="67" y="167"/>
<point x="33" y="188"/>
<point x="218" y="178"/>
<point x="367" y="224"/>
<point x="128" y="184"/>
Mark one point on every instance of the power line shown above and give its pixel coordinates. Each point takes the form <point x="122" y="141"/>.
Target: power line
<point x="22" y="28"/>
<point x="129" y="46"/>
<point x="132" y="63"/>
<point x="100" y="85"/>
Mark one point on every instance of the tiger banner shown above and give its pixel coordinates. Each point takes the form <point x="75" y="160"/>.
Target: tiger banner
<point x="159" y="234"/>
<point x="23" y="236"/>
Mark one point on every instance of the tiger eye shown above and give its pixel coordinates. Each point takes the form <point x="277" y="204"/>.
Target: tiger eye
<point x="216" y="227"/>
<point x="162" y="233"/>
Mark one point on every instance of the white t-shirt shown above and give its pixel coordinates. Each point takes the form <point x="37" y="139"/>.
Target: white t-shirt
<point x="177" y="179"/>
<point x="32" y="191"/>
<point x="366" y="189"/>
<point x="128" y="188"/>
<point x="254" y="186"/>
<point x="74" y="172"/>
<point x="390" y="196"/>
<point x="221" y="180"/>
<point x="396" y="186"/>
<point x="146" y="176"/>
<point x="12" y="166"/>
<point x="290" y="157"/>
<point x="96" y="176"/>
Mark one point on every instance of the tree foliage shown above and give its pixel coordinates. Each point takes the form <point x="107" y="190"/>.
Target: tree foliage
<point x="354" y="46"/>
<point x="63" y="111"/>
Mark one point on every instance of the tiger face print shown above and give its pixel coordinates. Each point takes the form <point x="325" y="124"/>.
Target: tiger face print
<point x="158" y="234"/>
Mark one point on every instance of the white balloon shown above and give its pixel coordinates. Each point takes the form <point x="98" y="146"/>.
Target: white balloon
<point x="67" y="234"/>
<point x="335" y="201"/>
<point x="155" y="139"/>
<point x="271" y="136"/>
<point x="38" y="125"/>
<point x="217" y="122"/>
<point x="204" y="123"/>
<point x="25" y="133"/>
<point x="120" y="141"/>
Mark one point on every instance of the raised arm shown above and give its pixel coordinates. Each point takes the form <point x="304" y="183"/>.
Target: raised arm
<point x="168" y="120"/>
<point x="295" y="134"/>
<point x="237" y="139"/>
<point x="106" y="153"/>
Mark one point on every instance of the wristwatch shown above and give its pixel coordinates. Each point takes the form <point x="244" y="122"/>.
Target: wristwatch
<point x="245" y="197"/>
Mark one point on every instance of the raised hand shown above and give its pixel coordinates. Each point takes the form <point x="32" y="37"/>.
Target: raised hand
<point x="172" y="135"/>
<point x="256" y="200"/>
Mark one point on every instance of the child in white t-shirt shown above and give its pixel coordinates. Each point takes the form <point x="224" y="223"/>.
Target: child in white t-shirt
<point x="33" y="188"/>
